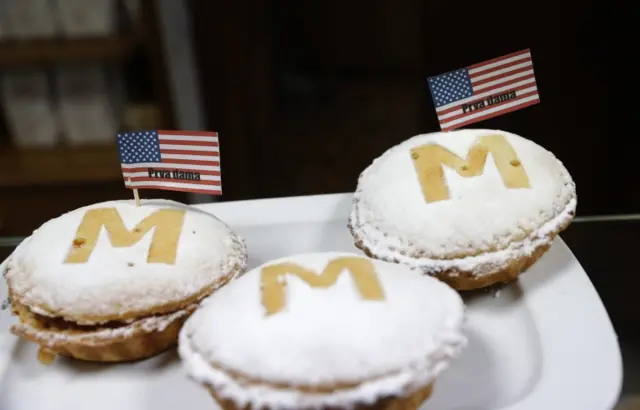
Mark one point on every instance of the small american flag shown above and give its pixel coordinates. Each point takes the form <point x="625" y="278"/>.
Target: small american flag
<point x="484" y="90"/>
<point x="171" y="160"/>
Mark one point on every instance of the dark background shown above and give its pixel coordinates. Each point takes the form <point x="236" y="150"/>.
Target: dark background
<point x="306" y="94"/>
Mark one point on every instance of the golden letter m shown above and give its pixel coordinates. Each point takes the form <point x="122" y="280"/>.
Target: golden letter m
<point x="429" y="160"/>
<point x="164" y="244"/>
<point x="273" y="283"/>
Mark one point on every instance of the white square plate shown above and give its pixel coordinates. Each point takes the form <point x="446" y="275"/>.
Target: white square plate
<point x="545" y="342"/>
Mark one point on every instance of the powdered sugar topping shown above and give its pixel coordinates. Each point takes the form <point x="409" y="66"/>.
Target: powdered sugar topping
<point x="391" y="217"/>
<point x="324" y="336"/>
<point x="116" y="280"/>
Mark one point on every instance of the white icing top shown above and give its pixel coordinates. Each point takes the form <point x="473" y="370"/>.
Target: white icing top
<point x="324" y="336"/>
<point x="117" y="280"/>
<point x="391" y="217"/>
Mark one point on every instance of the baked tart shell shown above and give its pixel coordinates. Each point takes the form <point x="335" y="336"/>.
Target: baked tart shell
<point x="411" y="402"/>
<point x="91" y="344"/>
<point x="460" y="279"/>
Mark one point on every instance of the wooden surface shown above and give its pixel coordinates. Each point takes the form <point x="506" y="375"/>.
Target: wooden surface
<point x="25" y="167"/>
<point x="34" y="52"/>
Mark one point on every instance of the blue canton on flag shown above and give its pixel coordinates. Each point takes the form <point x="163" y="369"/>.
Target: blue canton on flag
<point x="449" y="87"/>
<point x="140" y="146"/>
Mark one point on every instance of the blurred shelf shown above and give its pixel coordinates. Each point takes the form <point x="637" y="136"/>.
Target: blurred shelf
<point x="32" y="52"/>
<point x="64" y="165"/>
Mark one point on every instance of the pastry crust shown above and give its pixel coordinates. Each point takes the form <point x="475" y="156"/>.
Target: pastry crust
<point x="163" y="309"/>
<point x="117" y="342"/>
<point x="469" y="279"/>
<point x="411" y="402"/>
<point x="130" y="337"/>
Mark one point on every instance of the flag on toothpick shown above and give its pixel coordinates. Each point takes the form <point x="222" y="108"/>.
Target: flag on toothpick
<point x="484" y="90"/>
<point x="171" y="160"/>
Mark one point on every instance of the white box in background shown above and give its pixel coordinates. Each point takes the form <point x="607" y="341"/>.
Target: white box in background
<point x="85" y="105"/>
<point x="29" y="110"/>
<point x="27" y="19"/>
<point x="88" y="18"/>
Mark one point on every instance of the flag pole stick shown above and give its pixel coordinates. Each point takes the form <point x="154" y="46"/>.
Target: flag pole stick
<point x="135" y="194"/>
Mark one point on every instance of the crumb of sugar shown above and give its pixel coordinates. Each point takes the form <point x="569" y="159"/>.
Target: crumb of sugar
<point x="106" y="285"/>
<point x="391" y="218"/>
<point x="324" y="336"/>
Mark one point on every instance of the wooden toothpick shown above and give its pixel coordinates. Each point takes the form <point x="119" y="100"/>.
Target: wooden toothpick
<point x="135" y="193"/>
